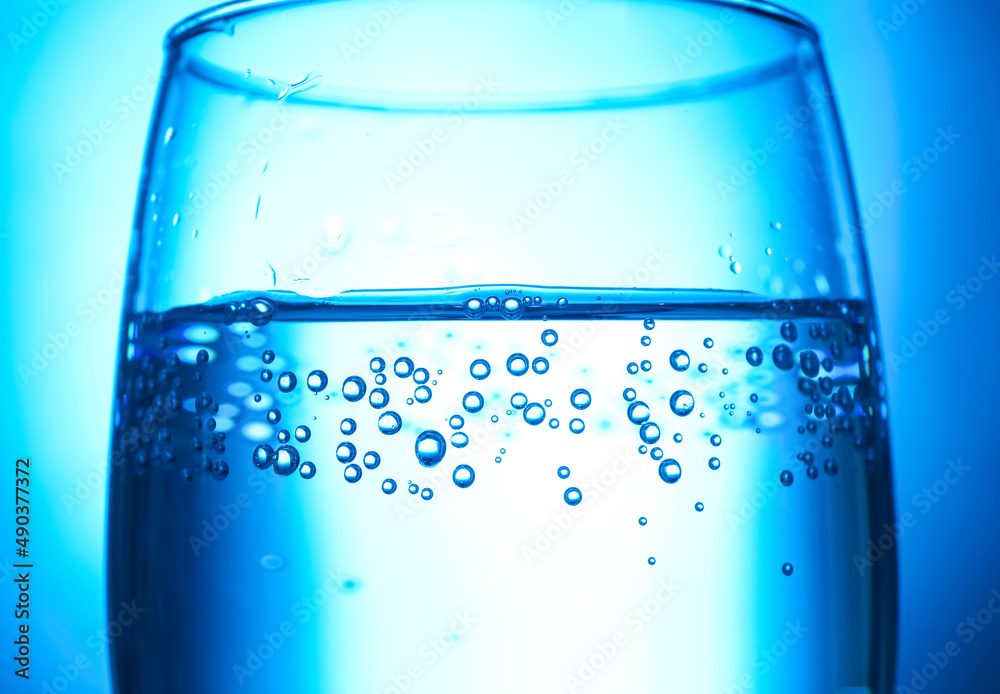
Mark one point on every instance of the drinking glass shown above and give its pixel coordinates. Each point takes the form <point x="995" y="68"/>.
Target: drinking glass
<point x="499" y="346"/>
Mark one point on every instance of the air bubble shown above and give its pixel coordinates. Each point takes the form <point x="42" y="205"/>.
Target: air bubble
<point x="632" y="368"/>
<point x="286" y="460"/>
<point x="576" y="425"/>
<point x="789" y="332"/>
<point x="463" y="476"/>
<point x="638" y="412"/>
<point x="202" y="356"/>
<point x="682" y="403"/>
<point x="563" y="472"/>
<point x="549" y="337"/>
<point x="534" y="414"/>
<point x="649" y="432"/>
<point x="553" y="423"/>
<point x="809" y="363"/>
<point x="782" y="356"/>
<point x="715" y="440"/>
<point x="302" y="433"/>
<point x="459" y="440"/>
<point x="645" y="341"/>
<point x="354" y="388"/>
<point x="268" y="356"/>
<point x="830" y="466"/>
<point x="580" y="399"/>
<point x="651" y="560"/>
<point x="670" y="471"/>
<point x="787" y="568"/>
<point x="421" y="376"/>
<point x="517" y="364"/>
<point x="642" y="520"/>
<point x="703" y="368"/>
<point x="388" y="485"/>
<point x="316" y="381"/>
<point x="220" y="470"/>
<point x="352" y="473"/>
<point x="573" y="496"/>
<point x="377" y="365"/>
<point x="378" y="398"/>
<point x="511" y="308"/>
<point x="656" y="453"/>
<point x="629" y="394"/>
<point x="389" y="423"/>
<point x="709" y="343"/>
<point x="403" y="367"/>
<point x="679" y="360"/>
<point x="699" y="507"/>
<point x="755" y="357"/>
<point x="422" y="394"/>
<point x="480" y="369"/>
<point x="474" y="308"/>
<point x="307" y="470"/>
<point x="649" y="324"/>
<point x="263" y="456"/>
<point x="346" y="452"/>
<point x="473" y="402"/>
<point x="266" y="375"/>
<point x="371" y="460"/>
<point x="518" y="400"/>
<point x="273" y="416"/>
<point x="430" y="448"/>
<point x="646" y="365"/>
<point x="413" y="488"/>
<point x="260" y="313"/>
<point x="786" y="478"/>
<point x="427" y="494"/>
<point x="540" y="365"/>
<point x="456" y="421"/>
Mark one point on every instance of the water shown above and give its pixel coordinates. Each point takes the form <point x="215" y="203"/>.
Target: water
<point x="482" y="536"/>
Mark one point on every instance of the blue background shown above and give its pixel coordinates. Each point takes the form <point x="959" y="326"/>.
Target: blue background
<point x="64" y="236"/>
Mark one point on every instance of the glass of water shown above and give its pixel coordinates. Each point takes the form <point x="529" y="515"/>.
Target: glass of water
<point x="499" y="347"/>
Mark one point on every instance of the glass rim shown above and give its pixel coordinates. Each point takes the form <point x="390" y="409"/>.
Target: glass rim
<point x="198" y="22"/>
